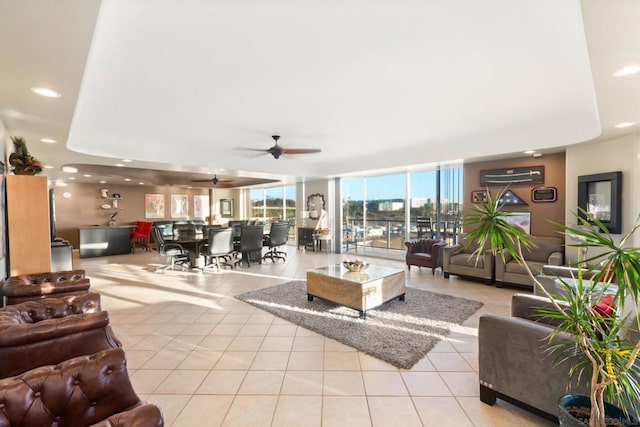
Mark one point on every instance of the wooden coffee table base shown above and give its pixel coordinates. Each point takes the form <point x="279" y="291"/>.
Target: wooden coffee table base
<point x="359" y="291"/>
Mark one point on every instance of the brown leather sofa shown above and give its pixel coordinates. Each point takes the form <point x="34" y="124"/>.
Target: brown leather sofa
<point x="28" y="287"/>
<point x="424" y="253"/>
<point x="50" y="330"/>
<point x="90" y="390"/>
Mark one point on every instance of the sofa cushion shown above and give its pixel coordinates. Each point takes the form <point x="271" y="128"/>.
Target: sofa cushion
<point x="467" y="260"/>
<point x="517" y="268"/>
<point x="419" y="256"/>
<point x="541" y="248"/>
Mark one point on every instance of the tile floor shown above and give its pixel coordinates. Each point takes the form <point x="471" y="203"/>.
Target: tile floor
<point x="208" y="359"/>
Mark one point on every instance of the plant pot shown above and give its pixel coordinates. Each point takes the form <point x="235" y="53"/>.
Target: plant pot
<point x="566" y="419"/>
<point x="24" y="172"/>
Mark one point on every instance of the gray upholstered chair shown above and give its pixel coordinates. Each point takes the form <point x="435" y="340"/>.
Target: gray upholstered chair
<point x="459" y="259"/>
<point x="543" y="251"/>
<point x="514" y="365"/>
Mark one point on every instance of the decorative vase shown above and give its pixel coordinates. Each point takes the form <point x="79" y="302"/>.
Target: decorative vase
<point x="566" y="419"/>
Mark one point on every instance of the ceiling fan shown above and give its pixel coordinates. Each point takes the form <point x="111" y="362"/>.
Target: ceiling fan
<point x="276" y="151"/>
<point x="214" y="180"/>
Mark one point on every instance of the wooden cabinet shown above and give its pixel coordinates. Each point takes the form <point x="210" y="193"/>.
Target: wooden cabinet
<point x="104" y="241"/>
<point x="305" y="237"/>
<point x="28" y="228"/>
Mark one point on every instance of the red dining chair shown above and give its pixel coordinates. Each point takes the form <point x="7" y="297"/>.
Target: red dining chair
<point x="140" y="236"/>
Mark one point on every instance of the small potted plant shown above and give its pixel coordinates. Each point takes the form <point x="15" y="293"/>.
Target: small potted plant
<point x="22" y="161"/>
<point x="596" y="350"/>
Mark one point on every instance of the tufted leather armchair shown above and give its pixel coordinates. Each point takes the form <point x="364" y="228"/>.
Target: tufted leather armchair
<point x="28" y="287"/>
<point x="84" y="391"/>
<point x="424" y="253"/>
<point x="50" y="330"/>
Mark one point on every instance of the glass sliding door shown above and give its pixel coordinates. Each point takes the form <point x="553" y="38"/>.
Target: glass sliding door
<point x="385" y="222"/>
<point x="352" y="213"/>
<point x="375" y="216"/>
<point x="257" y="204"/>
<point x="290" y="209"/>
<point x="274" y="202"/>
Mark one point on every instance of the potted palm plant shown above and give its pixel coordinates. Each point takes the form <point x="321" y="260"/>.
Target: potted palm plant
<point x="22" y="161"/>
<point x="596" y="349"/>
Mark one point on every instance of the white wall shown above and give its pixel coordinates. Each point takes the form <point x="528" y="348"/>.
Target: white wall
<point x="621" y="154"/>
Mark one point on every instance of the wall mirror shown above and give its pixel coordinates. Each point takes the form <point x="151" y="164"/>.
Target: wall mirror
<point x="600" y="197"/>
<point x="315" y="204"/>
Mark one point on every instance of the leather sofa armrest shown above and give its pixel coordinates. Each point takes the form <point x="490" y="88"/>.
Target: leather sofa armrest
<point x="20" y="289"/>
<point x="142" y="415"/>
<point x="25" y="333"/>
<point x="556" y="258"/>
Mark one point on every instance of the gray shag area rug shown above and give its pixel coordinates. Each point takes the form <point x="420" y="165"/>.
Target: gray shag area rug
<point x="398" y="332"/>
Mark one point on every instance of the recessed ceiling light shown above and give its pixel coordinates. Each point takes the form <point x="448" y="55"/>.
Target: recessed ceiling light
<point x="127" y="179"/>
<point x="627" y="71"/>
<point x="103" y="182"/>
<point x="141" y="183"/>
<point x="624" y="125"/>
<point x="48" y="140"/>
<point x="72" y="177"/>
<point x="69" y="169"/>
<point x="61" y="184"/>
<point x="66" y="195"/>
<point x="529" y="152"/>
<point x="48" y="167"/>
<point x="127" y="160"/>
<point x="43" y="91"/>
<point x="86" y="175"/>
<point x="120" y="165"/>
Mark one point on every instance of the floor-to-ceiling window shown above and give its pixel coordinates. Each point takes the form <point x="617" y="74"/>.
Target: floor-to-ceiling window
<point x="385" y="211"/>
<point x="353" y="212"/>
<point x="274" y="204"/>
<point x="382" y="212"/>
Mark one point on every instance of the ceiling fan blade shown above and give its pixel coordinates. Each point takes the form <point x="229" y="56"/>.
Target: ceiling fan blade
<point x="300" y="150"/>
<point x="201" y="180"/>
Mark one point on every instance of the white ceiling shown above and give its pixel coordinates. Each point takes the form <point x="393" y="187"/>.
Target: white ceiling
<point x="183" y="86"/>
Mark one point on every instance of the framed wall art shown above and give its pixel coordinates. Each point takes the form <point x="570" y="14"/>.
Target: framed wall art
<point x="226" y="208"/>
<point x="179" y="206"/>
<point x="478" y="196"/>
<point x="600" y="197"/>
<point x="522" y="175"/>
<point x="544" y="194"/>
<point x="200" y="206"/>
<point x="154" y="206"/>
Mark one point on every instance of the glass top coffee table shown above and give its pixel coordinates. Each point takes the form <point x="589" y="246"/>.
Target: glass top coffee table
<point x="357" y="290"/>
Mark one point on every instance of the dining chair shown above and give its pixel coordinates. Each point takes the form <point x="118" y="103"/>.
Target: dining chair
<point x="251" y="238"/>
<point x="220" y="246"/>
<point x="140" y="236"/>
<point x="278" y="236"/>
<point x="178" y="256"/>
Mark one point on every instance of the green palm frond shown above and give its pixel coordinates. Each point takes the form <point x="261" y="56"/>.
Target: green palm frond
<point x="490" y="226"/>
